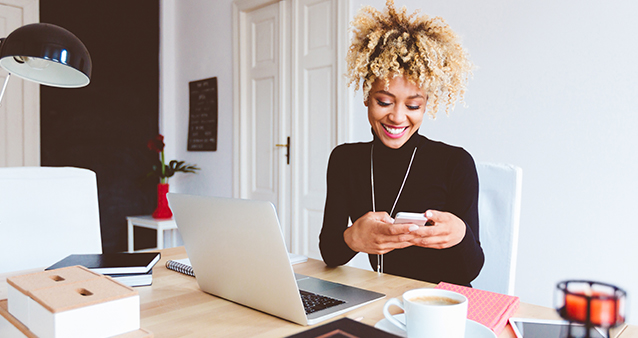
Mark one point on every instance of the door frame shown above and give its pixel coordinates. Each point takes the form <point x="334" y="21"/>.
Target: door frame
<point x="24" y="116"/>
<point x="289" y="204"/>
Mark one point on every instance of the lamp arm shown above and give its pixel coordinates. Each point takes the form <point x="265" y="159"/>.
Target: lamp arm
<point x="4" y="87"/>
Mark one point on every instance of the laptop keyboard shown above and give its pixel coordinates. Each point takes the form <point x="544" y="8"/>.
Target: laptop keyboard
<point x="313" y="302"/>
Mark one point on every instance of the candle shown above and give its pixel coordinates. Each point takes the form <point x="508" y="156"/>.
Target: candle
<point x="603" y="310"/>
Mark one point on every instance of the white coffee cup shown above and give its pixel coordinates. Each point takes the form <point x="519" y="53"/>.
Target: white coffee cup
<point x="430" y="313"/>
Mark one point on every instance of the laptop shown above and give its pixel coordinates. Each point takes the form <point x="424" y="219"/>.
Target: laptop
<point x="238" y="253"/>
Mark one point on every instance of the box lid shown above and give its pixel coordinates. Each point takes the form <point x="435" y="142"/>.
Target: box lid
<point x="47" y="279"/>
<point x="83" y="293"/>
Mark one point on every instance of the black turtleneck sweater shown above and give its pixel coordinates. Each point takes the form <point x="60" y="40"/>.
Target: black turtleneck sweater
<point x="442" y="178"/>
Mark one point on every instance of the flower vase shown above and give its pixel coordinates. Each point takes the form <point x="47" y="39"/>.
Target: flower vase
<point x="163" y="210"/>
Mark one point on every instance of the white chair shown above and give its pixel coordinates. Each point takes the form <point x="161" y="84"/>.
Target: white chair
<point x="47" y="214"/>
<point x="499" y="214"/>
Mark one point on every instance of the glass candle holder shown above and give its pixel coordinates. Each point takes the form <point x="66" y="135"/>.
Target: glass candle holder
<point x="591" y="304"/>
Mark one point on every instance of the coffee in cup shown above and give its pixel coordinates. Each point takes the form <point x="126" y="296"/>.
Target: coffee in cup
<point x="434" y="300"/>
<point x="430" y="313"/>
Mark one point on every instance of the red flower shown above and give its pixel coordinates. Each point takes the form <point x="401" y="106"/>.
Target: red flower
<point x="162" y="170"/>
<point x="156" y="144"/>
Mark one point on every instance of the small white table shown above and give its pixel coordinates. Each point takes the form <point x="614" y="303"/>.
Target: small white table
<point x="160" y="225"/>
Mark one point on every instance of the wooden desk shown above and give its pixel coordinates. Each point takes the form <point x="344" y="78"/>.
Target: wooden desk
<point x="174" y="306"/>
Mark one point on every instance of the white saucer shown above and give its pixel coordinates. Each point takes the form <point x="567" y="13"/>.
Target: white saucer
<point x="472" y="328"/>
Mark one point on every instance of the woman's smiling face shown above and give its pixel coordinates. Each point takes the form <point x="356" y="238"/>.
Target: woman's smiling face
<point x="395" y="113"/>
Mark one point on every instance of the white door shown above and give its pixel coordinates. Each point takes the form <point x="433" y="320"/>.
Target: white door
<point x="20" y="107"/>
<point x="289" y="89"/>
<point x="315" y="118"/>
<point x="263" y="124"/>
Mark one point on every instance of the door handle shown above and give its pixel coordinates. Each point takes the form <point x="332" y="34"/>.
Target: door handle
<point x="287" y="145"/>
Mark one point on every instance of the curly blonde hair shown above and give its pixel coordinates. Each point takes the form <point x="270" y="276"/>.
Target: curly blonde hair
<point x="422" y="49"/>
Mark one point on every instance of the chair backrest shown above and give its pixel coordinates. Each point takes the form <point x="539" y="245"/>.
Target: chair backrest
<point x="46" y="214"/>
<point x="499" y="215"/>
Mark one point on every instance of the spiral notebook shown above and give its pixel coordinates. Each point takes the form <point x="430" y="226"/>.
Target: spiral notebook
<point x="181" y="265"/>
<point x="184" y="265"/>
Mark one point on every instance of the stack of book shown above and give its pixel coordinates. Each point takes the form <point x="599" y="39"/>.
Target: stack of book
<point x="131" y="269"/>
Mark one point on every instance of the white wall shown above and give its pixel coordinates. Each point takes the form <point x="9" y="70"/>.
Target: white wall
<point x="196" y="44"/>
<point x="554" y="93"/>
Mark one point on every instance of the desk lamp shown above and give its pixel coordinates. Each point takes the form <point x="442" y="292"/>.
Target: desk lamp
<point x="46" y="54"/>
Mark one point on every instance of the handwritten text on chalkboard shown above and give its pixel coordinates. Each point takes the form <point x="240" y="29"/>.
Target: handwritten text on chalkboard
<point x="202" y="124"/>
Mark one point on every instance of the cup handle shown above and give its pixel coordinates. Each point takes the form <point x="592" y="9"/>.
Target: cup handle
<point x="389" y="317"/>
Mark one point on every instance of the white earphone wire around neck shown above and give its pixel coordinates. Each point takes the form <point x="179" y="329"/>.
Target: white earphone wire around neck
<point x="374" y="208"/>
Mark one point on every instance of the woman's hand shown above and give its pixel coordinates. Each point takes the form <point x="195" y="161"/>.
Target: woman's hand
<point x="448" y="230"/>
<point x="374" y="233"/>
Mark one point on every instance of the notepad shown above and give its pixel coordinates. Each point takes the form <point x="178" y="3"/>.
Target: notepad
<point x="488" y="308"/>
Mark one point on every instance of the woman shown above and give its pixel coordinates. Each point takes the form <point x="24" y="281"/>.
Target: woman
<point x="408" y="66"/>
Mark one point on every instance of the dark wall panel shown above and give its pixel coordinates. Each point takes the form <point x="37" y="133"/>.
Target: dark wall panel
<point x="105" y="126"/>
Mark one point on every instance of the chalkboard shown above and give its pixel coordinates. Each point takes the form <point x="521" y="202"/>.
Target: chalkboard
<point x="202" y="123"/>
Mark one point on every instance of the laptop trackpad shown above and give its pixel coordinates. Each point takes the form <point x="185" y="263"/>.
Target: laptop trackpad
<point x="314" y="284"/>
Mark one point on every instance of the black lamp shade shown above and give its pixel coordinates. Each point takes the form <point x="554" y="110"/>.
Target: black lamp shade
<point x="47" y="54"/>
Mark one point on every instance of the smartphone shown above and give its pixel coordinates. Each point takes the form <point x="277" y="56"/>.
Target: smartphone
<point x="411" y="217"/>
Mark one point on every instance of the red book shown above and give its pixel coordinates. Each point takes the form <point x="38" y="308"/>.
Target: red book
<point x="488" y="308"/>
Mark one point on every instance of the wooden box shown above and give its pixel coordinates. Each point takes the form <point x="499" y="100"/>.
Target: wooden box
<point x="20" y="287"/>
<point x="70" y="302"/>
